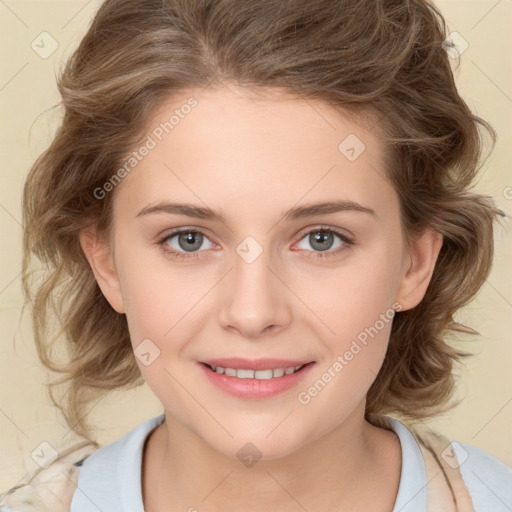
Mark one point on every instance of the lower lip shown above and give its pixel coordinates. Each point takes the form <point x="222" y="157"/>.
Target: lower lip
<point x="255" y="389"/>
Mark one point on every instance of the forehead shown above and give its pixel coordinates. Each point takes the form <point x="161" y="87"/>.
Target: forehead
<point x="252" y="150"/>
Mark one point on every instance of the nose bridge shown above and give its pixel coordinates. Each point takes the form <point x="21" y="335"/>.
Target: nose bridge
<point x="254" y="298"/>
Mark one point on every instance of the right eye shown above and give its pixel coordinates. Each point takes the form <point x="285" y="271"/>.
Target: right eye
<point x="188" y="242"/>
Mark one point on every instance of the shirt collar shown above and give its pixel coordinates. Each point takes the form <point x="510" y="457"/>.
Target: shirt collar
<point x="121" y="462"/>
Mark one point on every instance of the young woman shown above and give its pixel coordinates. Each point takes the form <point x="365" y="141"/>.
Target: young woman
<point x="263" y="210"/>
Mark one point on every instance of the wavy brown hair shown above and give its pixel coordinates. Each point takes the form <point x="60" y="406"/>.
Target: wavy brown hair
<point x="382" y="57"/>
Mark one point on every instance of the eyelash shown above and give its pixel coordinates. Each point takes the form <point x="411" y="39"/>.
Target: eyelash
<point x="194" y="255"/>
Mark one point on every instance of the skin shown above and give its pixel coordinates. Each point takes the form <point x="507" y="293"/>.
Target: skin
<point x="254" y="157"/>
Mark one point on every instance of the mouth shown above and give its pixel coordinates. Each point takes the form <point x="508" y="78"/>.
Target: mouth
<point x="256" y="379"/>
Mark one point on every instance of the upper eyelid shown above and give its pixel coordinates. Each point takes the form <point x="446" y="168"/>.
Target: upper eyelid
<point x="320" y="227"/>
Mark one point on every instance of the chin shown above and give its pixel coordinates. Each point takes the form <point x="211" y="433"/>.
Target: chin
<point x="249" y="449"/>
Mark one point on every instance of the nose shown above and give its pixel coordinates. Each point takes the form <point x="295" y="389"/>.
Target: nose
<point x="255" y="299"/>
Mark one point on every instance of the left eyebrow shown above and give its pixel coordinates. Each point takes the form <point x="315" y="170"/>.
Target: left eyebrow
<point x="310" y="210"/>
<point x="298" y="212"/>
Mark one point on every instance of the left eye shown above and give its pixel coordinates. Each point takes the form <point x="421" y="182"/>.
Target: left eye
<point x="321" y="240"/>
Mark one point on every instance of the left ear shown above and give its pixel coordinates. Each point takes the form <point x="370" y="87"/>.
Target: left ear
<point x="418" y="268"/>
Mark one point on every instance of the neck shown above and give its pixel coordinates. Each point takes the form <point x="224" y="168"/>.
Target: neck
<point x="340" y="471"/>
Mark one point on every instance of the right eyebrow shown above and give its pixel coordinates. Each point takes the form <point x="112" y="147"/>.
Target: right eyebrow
<point x="189" y="210"/>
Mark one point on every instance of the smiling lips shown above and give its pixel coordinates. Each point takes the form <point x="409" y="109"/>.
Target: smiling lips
<point x="254" y="379"/>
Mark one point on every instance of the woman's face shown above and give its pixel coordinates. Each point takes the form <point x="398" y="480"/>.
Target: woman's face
<point x="274" y="278"/>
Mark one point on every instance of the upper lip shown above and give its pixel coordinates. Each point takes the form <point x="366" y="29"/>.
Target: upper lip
<point x="239" y="363"/>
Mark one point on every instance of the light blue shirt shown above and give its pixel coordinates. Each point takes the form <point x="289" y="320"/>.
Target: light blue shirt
<point x="110" y="479"/>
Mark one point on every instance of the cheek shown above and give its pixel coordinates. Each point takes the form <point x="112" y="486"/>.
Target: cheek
<point x="353" y="296"/>
<point x="147" y="306"/>
<point x="157" y="295"/>
<point x="165" y="307"/>
<point x="356" y="311"/>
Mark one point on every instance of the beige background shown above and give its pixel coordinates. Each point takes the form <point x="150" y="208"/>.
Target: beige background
<point x="28" y="91"/>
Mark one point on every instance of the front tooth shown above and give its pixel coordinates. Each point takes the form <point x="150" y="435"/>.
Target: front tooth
<point x="278" y="372"/>
<point x="245" y="374"/>
<point x="289" y="370"/>
<point x="263" y="374"/>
